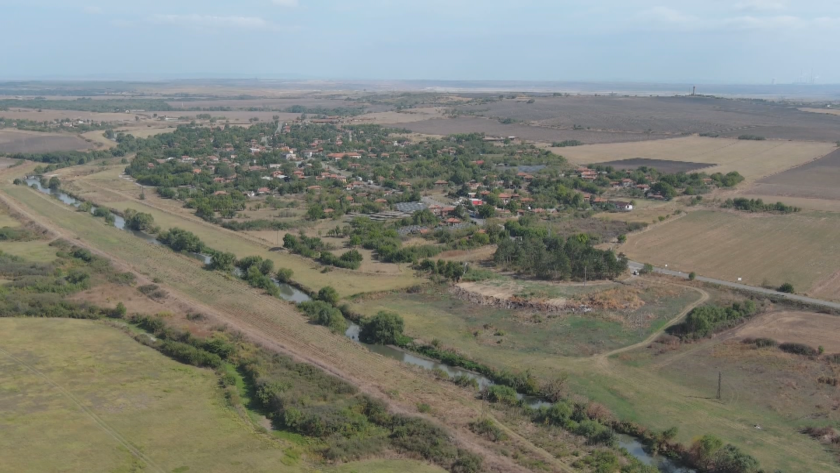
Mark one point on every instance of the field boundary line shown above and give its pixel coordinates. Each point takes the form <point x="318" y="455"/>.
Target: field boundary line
<point x="104" y="425"/>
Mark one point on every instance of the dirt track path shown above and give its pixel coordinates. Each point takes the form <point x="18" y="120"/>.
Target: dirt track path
<point x="704" y="296"/>
<point x="98" y="420"/>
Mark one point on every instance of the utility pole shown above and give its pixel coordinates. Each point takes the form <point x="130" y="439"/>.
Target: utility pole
<point x="584" y="275"/>
<point x="720" y="378"/>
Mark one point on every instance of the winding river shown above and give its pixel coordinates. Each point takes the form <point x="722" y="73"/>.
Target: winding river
<point x="292" y="294"/>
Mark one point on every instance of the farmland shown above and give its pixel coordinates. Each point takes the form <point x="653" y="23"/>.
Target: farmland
<point x="665" y="116"/>
<point x="795" y="327"/>
<point x="814" y="180"/>
<point x="18" y="141"/>
<point x="757" y="248"/>
<point x="752" y="159"/>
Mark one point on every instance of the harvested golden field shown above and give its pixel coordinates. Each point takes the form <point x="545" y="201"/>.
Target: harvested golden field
<point x="45" y="115"/>
<point x="763" y="249"/>
<point x="810" y="328"/>
<point x="753" y="159"/>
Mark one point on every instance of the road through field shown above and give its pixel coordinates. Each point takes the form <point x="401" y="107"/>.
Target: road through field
<point x="743" y="287"/>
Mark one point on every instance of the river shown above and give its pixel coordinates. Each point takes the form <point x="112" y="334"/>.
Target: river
<point x="292" y="294"/>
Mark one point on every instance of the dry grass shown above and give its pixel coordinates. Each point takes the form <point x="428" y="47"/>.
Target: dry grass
<point x="753" y="159"/>
<point x="760" y="248"/>
<point x="796" y="327"/>
<point x="826" y="111"/>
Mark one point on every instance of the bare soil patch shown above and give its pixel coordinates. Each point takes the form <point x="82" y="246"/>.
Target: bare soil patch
<point x="661" y="165"/>
<point x="809" y="328"/>
<point x="18" y="141"/>
<point x="817" y="180"/>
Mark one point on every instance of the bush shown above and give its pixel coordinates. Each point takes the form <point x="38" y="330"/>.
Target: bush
<point x="384" y="328"/>
<point x="502" y="394"/>
<point x="692" y="276"/>
<point x="488" y="429"/>
<point x="284" y="275"/>
<point x="324" y="314"/>
<point x="328" y="295"/>
<point x="752" y="137"/>
<point x="424" y="408"/>
<point x="798" y="349"/>
<point x="786" y="288"/>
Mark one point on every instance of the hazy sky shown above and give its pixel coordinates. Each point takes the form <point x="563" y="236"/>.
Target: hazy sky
<point x="725" y="41"/>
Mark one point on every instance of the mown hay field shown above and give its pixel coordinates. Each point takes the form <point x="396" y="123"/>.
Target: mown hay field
<point x="174" y="414"/>
<point x="753" y="159"/>
<point x="761" y="249"/>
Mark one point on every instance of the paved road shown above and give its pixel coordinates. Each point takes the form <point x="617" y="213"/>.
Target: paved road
<point x="744" y="287"/>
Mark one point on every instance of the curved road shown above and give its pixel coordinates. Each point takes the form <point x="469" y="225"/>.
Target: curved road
<point x="759" y="290"/>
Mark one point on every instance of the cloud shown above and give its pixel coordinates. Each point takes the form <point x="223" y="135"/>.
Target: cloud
<point x="761" y="5"/>
<point x="285" y="3"/>
<point x="664" y="18"/>
<point x="93" y="10"/>
<point x="195" y="20"/>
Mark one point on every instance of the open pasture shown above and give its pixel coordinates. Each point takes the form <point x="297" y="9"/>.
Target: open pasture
<point x="669" y="167"/>
<point x="753" y="159"/>
<point x="19" y="141"/>
<point x="75" y="392"/>
<point x="762" y="249"/>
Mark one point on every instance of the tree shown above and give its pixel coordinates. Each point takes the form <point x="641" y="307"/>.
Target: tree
<point x="384" y="328"/>
<point x="266" y="267"/>
<point x="284" y="274"/>
<point x="786" y="288"/>
<point x="119" y="311"/>
<point x="139" y="221"/>
<point x="223" y="262"/>
<point x="486" y="211"/>
<point x="692" y="276"/>
<point x="54" y="183"/>
<point x="622" y="238"/>
<point x="329" y="295"/>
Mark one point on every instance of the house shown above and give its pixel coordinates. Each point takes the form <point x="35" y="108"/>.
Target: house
<point x="220" y="193"/>
<point x="623" y="206"/>
<point x="353" y="156"/>
<point x="505" y="198"/>
<point x="441" y="183"/>
<point x="263" y="190"/>
<point x="313" y="188"/>
<point x="626" y="182"/>
<point x="336" y="156"/>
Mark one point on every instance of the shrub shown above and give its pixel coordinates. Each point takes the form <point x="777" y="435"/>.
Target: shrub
<point x="786" y="288"/>
<point x="502" y="394"/>
<point x="692" y="276"/>
<point x="798" y="349"/>
<point x="488" y="429"/>
<point x="328" y="295"/>
<point x="752" y="137"/>
<point x="424" y="408"/>
<point x="385" y="328"/>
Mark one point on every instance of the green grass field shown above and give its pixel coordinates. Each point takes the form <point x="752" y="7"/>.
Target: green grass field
<point x="435" y="313"/>
<point x="38" y="251"/>
<point x="173" y="413"/>
<point x="759" y="248"/>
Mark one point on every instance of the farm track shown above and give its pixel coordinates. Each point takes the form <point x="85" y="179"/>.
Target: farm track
<point x="98" y="420"/>
<point x="274" y="324"/>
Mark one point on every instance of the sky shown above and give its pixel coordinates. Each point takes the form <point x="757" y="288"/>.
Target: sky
<point x="667" y="41"/>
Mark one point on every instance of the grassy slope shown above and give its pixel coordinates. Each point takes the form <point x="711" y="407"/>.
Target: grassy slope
<point x="796" y="248"/>
<point x="171" y="412"/>
<point x="38" y="251"/>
